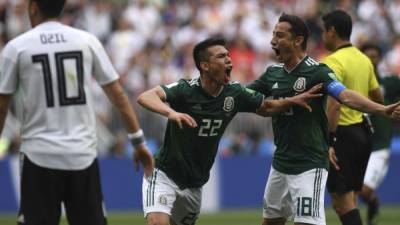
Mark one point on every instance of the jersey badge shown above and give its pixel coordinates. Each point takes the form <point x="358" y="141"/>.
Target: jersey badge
<point x="300" y="84"/>
<point x="275" y="86"/>
<point x="197" y="107"/>
<point x="229" y="103"/>
<point x="163" y="200"/>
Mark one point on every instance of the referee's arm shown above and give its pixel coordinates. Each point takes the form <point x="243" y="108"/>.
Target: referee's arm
<point x="358" y="102"/>
<point x="333" y="113"/>
<point x="376" y="95"/>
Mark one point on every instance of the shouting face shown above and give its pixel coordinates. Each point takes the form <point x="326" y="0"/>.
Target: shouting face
<point x="284" y="43"/>
<point x="219" y="65"/>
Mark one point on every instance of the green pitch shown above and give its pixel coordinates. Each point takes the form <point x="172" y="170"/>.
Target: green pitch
<point x="388" y="216"/>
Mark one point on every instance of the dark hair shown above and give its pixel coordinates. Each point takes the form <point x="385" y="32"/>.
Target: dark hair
<point x="50" y="8"/>
<point x="372" y="46"/>
<point x="200" y="51"/>
<point x="299" y="28"/>
<point x="341" y="21"/>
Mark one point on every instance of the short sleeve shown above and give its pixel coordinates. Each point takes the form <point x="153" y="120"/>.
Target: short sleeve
<point x="335" y="66"/>
<point x="260" y="85"/>
<point x="373" y="82"/>
<point x="8" y="70"/>
<point x="250" y="100"/>
<point x="326" y="76"/>
<point x="103" y="69"/>
<point x="173" y="91"/>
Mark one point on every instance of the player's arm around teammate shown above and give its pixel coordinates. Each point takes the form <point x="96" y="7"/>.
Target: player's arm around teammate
<point x="274" y="107"/>
<point x="154" y="99"/>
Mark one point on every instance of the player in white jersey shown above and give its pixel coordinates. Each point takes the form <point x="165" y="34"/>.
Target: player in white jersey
<point x="47" y="72"/>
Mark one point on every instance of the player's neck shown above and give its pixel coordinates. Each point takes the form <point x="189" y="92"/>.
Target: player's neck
<point x="294" y="61"/>
<point x="211" y="87"/>
<point x="341" y="43"/>
<point x="40" y="20"/>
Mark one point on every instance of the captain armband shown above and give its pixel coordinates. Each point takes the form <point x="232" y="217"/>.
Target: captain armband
<point x="137" y="138"/>
<point x="334" y="89"/>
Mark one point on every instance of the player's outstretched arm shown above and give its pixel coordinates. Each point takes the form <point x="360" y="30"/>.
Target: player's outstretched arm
<point x="358" y="102"/>
<point x="119" y="99"/>
<point x="273" y="107"/>
<point x="154" y="99"/>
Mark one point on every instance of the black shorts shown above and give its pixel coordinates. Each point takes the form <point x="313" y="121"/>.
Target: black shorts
<point x="353" y="148"/>
<point x="43" y="190"/>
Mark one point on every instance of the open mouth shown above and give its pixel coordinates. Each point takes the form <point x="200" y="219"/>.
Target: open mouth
<point x="277" y="51"/>
<point x="228" y="71"/>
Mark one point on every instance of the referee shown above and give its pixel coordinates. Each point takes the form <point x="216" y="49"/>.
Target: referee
<point x="350" y="135"/>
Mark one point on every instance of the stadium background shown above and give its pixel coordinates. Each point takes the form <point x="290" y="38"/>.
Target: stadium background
<point x="150" y="43"/>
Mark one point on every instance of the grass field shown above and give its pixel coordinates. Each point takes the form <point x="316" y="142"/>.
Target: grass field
<point x="388" y="216"/>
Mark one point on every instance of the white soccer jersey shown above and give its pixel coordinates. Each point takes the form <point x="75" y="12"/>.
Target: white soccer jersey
<point x="48" y="69"/>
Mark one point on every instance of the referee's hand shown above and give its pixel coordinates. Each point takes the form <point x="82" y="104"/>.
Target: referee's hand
<point x="333" y="159"/>
<point x="143" y="156"/>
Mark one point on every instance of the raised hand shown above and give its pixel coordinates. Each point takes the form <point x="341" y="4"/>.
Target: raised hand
<point x="303" y="98"/>
<point x="181" y="119"/>
<point x="143" y="156"/>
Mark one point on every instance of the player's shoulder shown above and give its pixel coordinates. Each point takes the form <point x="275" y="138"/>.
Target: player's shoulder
<point x="185" y="84"/>
<point x="194" y="82"/>
<point x="81" y="35"/>
<point x="234" y="84"/>
<point x="322" y="67"/>
<point x="275" y="67"/>
<point x="21" y="40"/>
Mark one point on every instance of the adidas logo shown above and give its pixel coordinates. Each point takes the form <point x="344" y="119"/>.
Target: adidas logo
<point x="275" y="86"/>
<point x="197" y="107"/>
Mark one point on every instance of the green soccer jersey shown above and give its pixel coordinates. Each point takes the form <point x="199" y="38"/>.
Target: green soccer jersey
<point x="301" y="137"/>
<point x="382" y="137"/>
<point x="188" y="154"/>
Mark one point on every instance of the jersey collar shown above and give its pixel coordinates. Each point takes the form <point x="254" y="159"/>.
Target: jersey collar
<point x="47" y="24"/>
<point x="297" y="65"/>
<point x="204" y="91"/>
<point x="343" y="46"/>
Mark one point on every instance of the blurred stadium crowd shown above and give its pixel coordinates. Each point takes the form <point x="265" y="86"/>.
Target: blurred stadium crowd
<point x="150" y="42"/>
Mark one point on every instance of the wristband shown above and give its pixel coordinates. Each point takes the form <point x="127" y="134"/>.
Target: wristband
<point x="137" y="138"/>
<point x="332" y="139"/>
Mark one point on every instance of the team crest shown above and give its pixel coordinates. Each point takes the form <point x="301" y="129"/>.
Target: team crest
<point x="163" y="200"/>
<point x="229" y="103"/>
<point x="300" y="84"/>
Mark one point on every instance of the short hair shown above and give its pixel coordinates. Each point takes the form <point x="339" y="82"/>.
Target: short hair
<point x="368" y="46"/>
<point x="341" y="21"/>
<point x="50" y="8"/>
<point x="200" y="51"/>
<point x="299" y="28"/>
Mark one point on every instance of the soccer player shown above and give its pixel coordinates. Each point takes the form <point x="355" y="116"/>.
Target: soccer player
<point x="352" y="146"/>
<point x="48" y="71"/>
<point x="378" y="163"/>
<point x="296" y="183"/>
<point x="198" y="113"/>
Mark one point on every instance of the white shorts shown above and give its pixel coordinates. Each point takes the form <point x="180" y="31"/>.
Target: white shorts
<point x="296" y="197"/>
<point x="161" y="194"/>
<point x="377" y="168"/>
